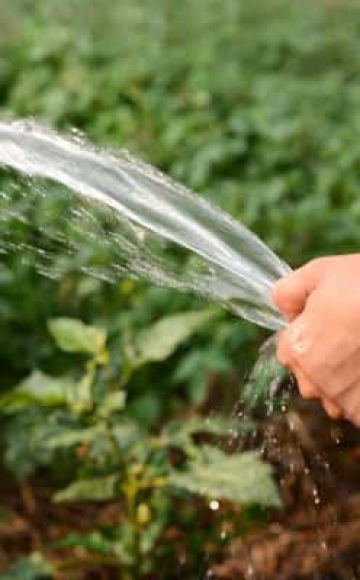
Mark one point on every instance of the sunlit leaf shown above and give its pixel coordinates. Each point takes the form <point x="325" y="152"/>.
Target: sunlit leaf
<point x="70" y="437"/>
<point x="73" y="335"/>
<point x="126" y="433"/>
<point x="111" y="403"/>
<point x="96" y="489"/>
<point x="39" y="389"/>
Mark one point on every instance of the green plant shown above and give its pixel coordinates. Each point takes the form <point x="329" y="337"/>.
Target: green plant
<point x="111" y="456"/>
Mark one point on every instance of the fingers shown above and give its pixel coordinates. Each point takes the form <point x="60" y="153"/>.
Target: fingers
<point x="350" y="402"/>
<point x="290" y="343"/>
<point x="286" y="357"/>
<point x="306" y="387"/>
<point x="332" y="409"/>
<point x="290" y="293"/>
<point x="309" y="391"/>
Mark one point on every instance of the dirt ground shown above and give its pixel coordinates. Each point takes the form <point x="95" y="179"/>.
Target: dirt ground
<point x="317" y="536"/>
<point x="317" y="463"/>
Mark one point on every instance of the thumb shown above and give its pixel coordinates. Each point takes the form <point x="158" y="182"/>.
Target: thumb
<point x="291" y="293"/>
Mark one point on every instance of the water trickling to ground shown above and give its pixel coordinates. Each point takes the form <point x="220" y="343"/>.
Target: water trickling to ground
<point x="230" y="265"/>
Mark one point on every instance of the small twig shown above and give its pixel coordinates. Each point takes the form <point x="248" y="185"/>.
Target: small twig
<point x="28" y="497"/>
<point x="30" y="507"/>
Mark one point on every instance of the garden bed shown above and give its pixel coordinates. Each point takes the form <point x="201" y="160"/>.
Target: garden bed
<point x="317" y="535"/>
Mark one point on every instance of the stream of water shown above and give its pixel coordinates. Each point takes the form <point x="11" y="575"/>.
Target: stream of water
<point x="233" y="267"/>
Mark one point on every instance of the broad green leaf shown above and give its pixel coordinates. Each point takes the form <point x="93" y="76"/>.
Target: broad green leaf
<point x="82" y="395"/>
<point x="96" y="489"/>
<point x="126" y="434"/>
<point x="111" y="403"/>
<point x="242" y="478"/>
<point x="25" y="437"/>
<point x="39" y="389"/>
<point x="160" y="340"/>
<point x="71" y="437"/>
<point x="72" y="335"/>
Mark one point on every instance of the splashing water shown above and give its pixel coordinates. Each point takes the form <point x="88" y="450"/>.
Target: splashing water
<point x="236" y="268"/>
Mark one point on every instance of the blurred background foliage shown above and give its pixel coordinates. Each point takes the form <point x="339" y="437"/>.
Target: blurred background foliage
<point x="255" y="105"/>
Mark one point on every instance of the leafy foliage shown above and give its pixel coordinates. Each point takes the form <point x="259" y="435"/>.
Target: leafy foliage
<point x="105" y="455"/>
<point x="229" y="98"/>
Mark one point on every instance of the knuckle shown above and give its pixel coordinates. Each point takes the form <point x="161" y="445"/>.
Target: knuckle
<point x="318" y="265"/>
<point x="280" y="292"/>
<point x="300" y="341"/>
<point x="316" y="262"/>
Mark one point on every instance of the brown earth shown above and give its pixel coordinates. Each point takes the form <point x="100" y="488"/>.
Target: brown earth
<point x="316" y="536"/>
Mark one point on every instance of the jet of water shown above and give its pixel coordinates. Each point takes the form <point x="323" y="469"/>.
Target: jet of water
<point x="237" y="269"/>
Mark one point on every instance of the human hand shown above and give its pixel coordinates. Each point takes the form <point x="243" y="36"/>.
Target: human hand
<point x="321" y="344"/>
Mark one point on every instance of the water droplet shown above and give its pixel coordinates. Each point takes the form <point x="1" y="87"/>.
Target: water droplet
<point x="323" y="545"/>
<point x="316" y="497"/>
<point x="214" y="505"/>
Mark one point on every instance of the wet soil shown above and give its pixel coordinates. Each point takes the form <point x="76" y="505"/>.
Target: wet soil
<point x="316" y="535"/>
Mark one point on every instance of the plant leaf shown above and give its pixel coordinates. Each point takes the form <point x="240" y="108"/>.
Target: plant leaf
<point x="72" y="335"/>
<point x="71" y="437"/>
<point x="241" y="478"/>
<point x="160" y="340"/>
<point x="126" y="434"/>
<point x="112" y="402"/>
<point x="39" y="389"/>
<point x="96" y="489"/>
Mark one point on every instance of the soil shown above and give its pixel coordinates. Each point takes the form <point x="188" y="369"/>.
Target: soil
<point x="316" y="536"/>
